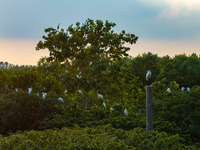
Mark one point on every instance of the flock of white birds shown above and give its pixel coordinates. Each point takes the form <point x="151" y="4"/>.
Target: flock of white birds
<point x="182" y="89"/>
<point x="148" y="76"/>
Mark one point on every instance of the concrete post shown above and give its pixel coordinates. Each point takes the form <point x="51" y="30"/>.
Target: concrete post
<point x="149" y="109"/>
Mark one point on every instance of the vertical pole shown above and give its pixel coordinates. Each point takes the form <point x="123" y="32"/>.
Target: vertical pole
<point x="149" y="109"/>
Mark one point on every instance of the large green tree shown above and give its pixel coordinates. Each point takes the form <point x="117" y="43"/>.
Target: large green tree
<point x="88" y="52"/>
<point x="89" y="40"/>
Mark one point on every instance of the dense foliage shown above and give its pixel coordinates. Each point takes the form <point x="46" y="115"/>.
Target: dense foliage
<point x="100" y="137"/>
<point x="90" y="95"/>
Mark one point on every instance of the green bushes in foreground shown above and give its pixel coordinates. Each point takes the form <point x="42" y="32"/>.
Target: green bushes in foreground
<point x="100" y="137"/>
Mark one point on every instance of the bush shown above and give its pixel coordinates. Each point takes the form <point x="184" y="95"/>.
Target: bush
<point x="100" y="137"/>
<point x="23" y="111"/>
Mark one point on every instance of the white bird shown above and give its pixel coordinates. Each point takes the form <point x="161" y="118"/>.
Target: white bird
<point x="188" y="89"/>
<point x="65" y="91"/>
<point x="29" y="90"/>
<point x="109" y="63"/>
<point x="111" y="109"/>
<point x="67" y="71"/>
<point x="78" y="76"/>
<point x="100" y="96"/>
<point x="16" y="89"/>
<point x="37" y="94"/>
<point x="44" y="95"/>
<point x="126" y="112"/>
<point x="90" y="63"/>
<point x="182" y="89"/>
<point x="104" y="104"/>
<point x="168" y="90"/>
<point x="148" y="75"/>
<point x="60" y="99"/>
<point x="80" y="91"/>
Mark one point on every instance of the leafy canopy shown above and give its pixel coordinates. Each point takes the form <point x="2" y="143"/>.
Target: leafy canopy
<point x="91" y="39"/>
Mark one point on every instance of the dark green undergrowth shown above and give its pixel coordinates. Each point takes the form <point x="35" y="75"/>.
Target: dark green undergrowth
<point x="99" y="137"/>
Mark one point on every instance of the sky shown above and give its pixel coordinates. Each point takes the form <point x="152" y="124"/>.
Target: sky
<point x="164" y="27"/>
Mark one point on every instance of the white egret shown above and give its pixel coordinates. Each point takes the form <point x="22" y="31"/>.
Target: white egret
<point x="90" y="63"/>
<point x="111" y="109"/>
<point x="37" y="94"/>
<point x="182" y="89"/>
<point x="44" y="95"/>
<point x="126" y="112"/>
<point x="29" y="90"/>
<point x="80" y="91"/>
<point x="168" y="90"/>
<point x="60" y="99"/>
<point x="148" y="75"/>
<point x="67" y="71"/>
<point x="65" y="91"/>
<point x="16" y="90"/>
<point x="188" y="89"/>
<point x="100" y="96"/>
<point x="79" y="77"/>
<point x="104" y="104"/>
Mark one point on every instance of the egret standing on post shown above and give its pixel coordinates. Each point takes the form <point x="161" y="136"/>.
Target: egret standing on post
<point x="149" y="109"/>
<point x="148" y="75"/>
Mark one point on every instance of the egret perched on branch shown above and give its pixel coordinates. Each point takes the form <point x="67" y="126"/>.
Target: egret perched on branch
<point x="148" y="75"/>
<point x="80" y="91"/>
<point x="126" y="112"/>
<point x="29" y="90"/>
<point x="60" y="99"/>
<point x="168" y="90"/>
<point x="188" y="89"/>
<point x="44" y="95"/>
<point x="65" y="91"/>
<point x="100" y="96"/>
<point x="104" y="104"/>
<point x="182" y="89"/>
<point x="58" y="26"/>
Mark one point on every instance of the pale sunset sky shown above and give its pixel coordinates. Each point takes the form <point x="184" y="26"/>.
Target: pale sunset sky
<point x="164" y="27"/>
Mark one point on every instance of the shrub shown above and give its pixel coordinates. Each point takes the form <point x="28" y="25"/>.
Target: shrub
<point x="100" y="137"/>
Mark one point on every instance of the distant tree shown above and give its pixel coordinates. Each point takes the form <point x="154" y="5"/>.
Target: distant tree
<point x="140" y="64"/>
<point x="185" y="70"/>
<point x="6" y="63"/>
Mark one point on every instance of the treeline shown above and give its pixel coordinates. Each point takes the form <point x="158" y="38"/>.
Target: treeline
<point x="6" y="65"/>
